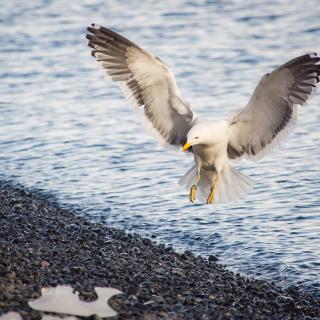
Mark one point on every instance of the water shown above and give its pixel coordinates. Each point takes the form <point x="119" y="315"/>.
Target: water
<point x="66" y="130"/>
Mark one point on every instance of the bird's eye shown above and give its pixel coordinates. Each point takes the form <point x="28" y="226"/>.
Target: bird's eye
<point x="196" y="137"/>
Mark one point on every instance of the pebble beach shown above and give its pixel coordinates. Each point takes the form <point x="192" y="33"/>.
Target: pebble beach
<point x="43" y="245"/>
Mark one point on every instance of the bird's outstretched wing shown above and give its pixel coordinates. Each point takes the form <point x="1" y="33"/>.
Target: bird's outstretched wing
<point x="146" y="81"/>
<point x="272" y="109"/>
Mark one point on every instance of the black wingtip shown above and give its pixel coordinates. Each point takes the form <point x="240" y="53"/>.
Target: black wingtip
<point x="93" y="28"/>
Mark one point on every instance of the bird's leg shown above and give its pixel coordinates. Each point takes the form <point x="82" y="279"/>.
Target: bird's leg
<point x="211" y="197"/>
<point x="192" y="195"/>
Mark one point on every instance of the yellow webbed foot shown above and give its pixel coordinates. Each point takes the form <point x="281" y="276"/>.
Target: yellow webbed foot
<point x="192" y="195"/>
<point x="210" y="199"/>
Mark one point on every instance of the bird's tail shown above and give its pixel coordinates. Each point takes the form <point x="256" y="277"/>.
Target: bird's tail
<point x="231" y="186"/>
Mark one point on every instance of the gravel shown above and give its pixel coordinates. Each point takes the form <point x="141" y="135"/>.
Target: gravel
<point x="43" y="245"/>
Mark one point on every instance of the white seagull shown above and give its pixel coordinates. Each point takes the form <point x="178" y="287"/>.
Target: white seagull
<point x="271" y="112"/>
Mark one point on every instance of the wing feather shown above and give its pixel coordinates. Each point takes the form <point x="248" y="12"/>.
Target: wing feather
<point x="272" y="109"/>
<point x="146" y="82"/>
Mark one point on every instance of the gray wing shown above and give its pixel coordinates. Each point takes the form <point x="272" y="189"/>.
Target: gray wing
<point x="272" y="109"/>
<point x="146" y="81"/>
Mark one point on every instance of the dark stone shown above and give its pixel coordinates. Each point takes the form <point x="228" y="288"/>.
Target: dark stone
<point x="213" y="258"/>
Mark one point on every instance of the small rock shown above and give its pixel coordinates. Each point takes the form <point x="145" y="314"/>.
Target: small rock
<point x="45" y="264"/>
<point x="11" y="275"/>
<point x="134" y="291"/>
<point x="158" y="299"/>
<point x="213" y="258"/>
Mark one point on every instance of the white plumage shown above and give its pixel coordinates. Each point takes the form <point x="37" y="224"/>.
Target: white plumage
<point x="266" y="120"/>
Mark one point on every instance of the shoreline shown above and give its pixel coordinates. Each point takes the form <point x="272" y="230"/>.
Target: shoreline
<point x="43" y="245"/>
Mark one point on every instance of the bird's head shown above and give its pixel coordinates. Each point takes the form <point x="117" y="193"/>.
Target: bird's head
<point x="197" y="135"/>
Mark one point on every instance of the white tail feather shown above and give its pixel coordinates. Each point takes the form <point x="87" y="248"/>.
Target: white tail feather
<point x="188" y="179"/>
<point x="232" y="184"/>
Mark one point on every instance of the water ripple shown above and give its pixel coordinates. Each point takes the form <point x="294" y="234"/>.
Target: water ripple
<point x="66" y="130"/>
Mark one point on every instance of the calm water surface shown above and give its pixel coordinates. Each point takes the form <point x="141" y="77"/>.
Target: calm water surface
<point x="66" y="130"/>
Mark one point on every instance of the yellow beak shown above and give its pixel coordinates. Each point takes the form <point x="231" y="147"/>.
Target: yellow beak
<point x="186" y="146"/>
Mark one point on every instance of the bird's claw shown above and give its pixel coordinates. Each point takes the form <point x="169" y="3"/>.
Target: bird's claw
<point x="210" y="199"/>
<point x="192" y="195"/>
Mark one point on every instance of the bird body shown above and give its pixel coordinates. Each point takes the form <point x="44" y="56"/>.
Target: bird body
<point x="271" y="112"/>
<point x="209" y="142"/>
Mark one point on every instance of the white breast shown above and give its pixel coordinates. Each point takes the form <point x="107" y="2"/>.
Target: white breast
<point x="213" y="155"/>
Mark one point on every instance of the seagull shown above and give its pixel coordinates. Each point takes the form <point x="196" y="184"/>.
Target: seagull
<point x="271" y="112"/>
